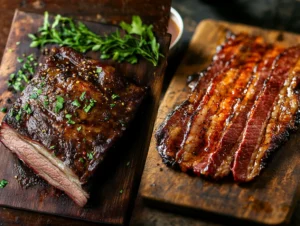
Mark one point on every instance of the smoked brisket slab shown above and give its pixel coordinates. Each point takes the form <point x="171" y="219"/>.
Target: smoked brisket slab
<point x="240" y="110"/>
<point x="70" y="114"/>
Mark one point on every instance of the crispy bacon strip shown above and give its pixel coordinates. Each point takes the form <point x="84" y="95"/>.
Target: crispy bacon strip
<point x="261" y="113"/>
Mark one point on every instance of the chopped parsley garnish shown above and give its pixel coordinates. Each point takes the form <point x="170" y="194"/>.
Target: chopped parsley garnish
<point x="88" y="107"/>
<point x="30" y="57"/>
<point x="39" y="91"/>
<point x="52" y="147"/>
<point x="3" y="183"/>
<point x="76" y="103"/>
<point x="27" y="108"/>
<point x="90" y="155"/>
<point x="81" y="160"/>
<point x="99" y="69"/>
<point x="59" y="104"/>
<point x="70" y="121"/>
<point x="3" y="109"/>
<point x="42" y="84"/>
<point x="115" y="96"/>
<point x="78" y="128"/>
<point x="34" y="96"/>
<point x="24" y="74"/>
<point x="112" y="105"/>
<point x="46" y="101"/>
<point x="82" y="96"/>
<point x="18" y="116"/>
<point x="20" y="60"/>
<point x="137" y="41"/>
<point x="121" y="191"/>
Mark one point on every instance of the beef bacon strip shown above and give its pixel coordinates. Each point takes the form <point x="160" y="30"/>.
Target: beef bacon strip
<point x="70" y="114"/>
<point x="220" y="160"/>
<point x="261" y="113"/>
<point x="171" y="132"/>
<point x="221" y="94"/>
<point x="238" y="116"/>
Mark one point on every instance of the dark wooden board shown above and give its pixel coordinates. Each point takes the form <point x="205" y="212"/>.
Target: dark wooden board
<point x="107" y="204"/>
<point x="270" y="199"/>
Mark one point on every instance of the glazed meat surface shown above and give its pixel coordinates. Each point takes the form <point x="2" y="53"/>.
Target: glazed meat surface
<point x="66" y="119"/>
<point x="242" y="108"/>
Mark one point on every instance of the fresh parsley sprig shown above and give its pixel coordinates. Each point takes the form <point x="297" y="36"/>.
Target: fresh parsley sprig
<point x="138" y="39"/>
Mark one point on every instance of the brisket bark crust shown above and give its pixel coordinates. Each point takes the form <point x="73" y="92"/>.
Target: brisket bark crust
<point x="240" y="109"/>
<point x="66" y="119"/>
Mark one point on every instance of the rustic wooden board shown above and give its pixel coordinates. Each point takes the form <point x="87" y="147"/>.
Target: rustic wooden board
<point x="270" y="199"/>
<point x="123" y="167"/>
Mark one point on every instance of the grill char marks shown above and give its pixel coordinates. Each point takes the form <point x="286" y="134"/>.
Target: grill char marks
<point x="170" y="134"/>
<point x="219" y="162"/>
<point x="207" y="123"/>
<point x="237" y="114"/>
<point x="260" y="115"/>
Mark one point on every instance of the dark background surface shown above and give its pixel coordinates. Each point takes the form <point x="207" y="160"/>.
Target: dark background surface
<point x="273" y="14"/>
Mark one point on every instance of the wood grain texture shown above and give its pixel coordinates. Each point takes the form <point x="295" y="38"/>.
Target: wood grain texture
<point x="107" y="204"/>
<point x="270" y="199"/>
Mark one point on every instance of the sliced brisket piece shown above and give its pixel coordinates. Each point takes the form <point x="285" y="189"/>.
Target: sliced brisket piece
<point x="227" y="109"/>
<point x="170" y="134"/>
<point x="220" y="160"/>
<point x="197" y="135"/>
<point x="66" y="119"/>
<point x="260" y="114"/>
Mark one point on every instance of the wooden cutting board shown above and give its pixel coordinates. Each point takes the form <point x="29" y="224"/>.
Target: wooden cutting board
<point x="270" y="198"/>
<point x="119" y="175"/>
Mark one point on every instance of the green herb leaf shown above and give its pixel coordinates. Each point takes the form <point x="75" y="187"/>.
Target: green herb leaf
<point x="99" y="69"/>
<point x="18" y="116"/>
<point x="52" y="147"/>
<point x="76" y="103"/>
<point x="20" y="60"/>
<point x="46" y="102"/>
<point x="33" y="96"/>
<point x="82" y="96"/>
<point x="90" y="155"/>
<point x="39" y="91"/>
<point x="138" y="41"/>
<point x="81" y="160"/>
<point x="78" y="128"/>
<point x="112" y="105"/>
<point x="121" y="191"/>
<point x="27" y="108"/>
<point x="3" y="183"/>
<point x="3" y="109"/>
<point x="88" y="107"/>
<point x="59" y="105"/>
<point x="24" y="74"/>
<point x="115" y="96"/>
<point x="70" y="121"/>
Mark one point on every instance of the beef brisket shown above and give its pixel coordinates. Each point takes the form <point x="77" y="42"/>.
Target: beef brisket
<point x="70" y="114"/>
<point x="238" y="114"/>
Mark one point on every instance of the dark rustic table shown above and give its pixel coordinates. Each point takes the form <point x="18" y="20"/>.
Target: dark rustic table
<point x="275" y="14"/>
